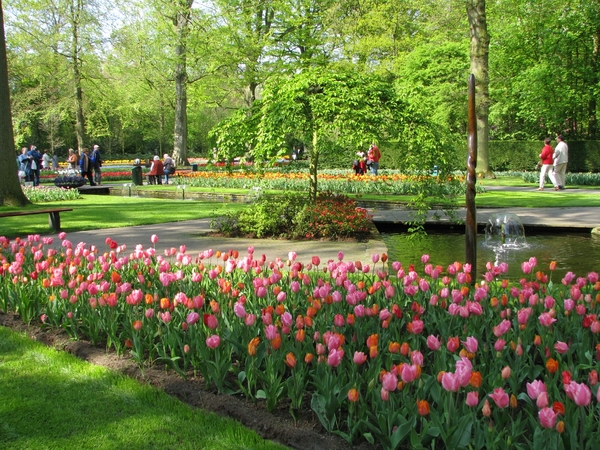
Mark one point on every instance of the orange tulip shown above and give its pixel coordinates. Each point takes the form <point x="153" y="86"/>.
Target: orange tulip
<point x="373" y="340"/>
<point x="290" y="360"/>
<point x="353" y="395"/>
<point x="476" y="379"/>
<point x="552" y="365"/>
<point x="253" y="345"/>
<point x="423" y="407"/>
<point x="165" y="303"/>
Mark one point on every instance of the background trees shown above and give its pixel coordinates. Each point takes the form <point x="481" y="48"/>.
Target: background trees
<point x="158" y="76"/>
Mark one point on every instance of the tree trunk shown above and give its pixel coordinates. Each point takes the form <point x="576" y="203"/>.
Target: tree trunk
<point x="79" y="117"/>
<point x="593" y="120"/>
<point x="314" y="164"/>
<point x="181" y="127"/>
<point x="479" y="52"/>
<point x="10" y="189"/>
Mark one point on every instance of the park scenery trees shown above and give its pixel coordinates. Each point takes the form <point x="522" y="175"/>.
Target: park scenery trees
<point x="154" y="77"/>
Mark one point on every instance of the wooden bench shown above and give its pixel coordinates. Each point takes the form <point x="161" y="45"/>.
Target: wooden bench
<point x="53" y="215"/>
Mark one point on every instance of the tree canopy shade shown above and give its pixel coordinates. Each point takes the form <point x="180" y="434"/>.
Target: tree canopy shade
<point x="10" y="189"/>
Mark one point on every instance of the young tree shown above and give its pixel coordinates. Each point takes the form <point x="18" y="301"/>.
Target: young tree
<point x="10" y="189"/>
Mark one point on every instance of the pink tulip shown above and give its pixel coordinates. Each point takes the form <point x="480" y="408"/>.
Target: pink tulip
<point x="471" y="344"/>
<point x="213" y="341"/>
<point x="389" y="381"/>
<point x="385" y="395"/>
<point x="416" y="357"/>
<point x="409" y="373"/>
<point x="154" y="239"/>
<point x="433" y="343"/>
<point x="579" y="392"/>
<point x="472" y="399"/>
<point x="450" y="382"/>
<point x="192" y="318"/>
<point x="211" y="321"/>
<point x="335" y="357"/>
<point x="535" y="388"/>
<point x="502" y="328"/>
<point x="546" y="319"/>
<point x="500" y="398"/>
<point x="561" y="347"/>
<point x="359" y="358"/>
<point x="547" y="417"/>
<point x="499" y="345"/>
<point x="542" y="400"/>
<point x="506" y="372"/>
<point x="417" y="326"/>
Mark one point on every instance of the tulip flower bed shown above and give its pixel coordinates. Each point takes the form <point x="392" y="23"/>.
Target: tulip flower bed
<point x="333" y="181"/>
<point x="397" y="354"/>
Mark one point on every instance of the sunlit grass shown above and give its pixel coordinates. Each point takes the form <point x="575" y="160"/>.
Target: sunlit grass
<point x="52" y="400"/>
<point x="103" y="211"/>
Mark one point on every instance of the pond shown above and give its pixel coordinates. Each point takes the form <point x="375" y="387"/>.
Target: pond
<point x="575" y="252"/>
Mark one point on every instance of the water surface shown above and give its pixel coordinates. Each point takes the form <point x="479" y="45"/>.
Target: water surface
<point x="578" y="253"/>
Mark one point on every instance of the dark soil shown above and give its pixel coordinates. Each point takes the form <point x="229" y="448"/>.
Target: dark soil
<point x="305" y="433"/>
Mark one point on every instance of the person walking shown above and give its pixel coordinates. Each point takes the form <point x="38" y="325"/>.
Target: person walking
<point x="96" y="162"/>
<point x="85" y="166"/>
<point x="373" y="157"/>
<point x="561" y="158"/>
<point x="546" y="162"/>
<point x="46" y="160"/>
<point x="54" y="161"/>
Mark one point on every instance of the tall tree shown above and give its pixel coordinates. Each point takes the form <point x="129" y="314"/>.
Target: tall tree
<point x="479" y="52"/>
<point x="10" y="189"/>
<point x="63" y="36"/>
<point x="181" y="21"/>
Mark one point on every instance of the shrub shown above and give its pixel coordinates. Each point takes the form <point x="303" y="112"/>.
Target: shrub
<point x="271" y="216"/>
<point x="292" y="216"/>
<point x="332" y="216"/>
<point x="41" y="194"/>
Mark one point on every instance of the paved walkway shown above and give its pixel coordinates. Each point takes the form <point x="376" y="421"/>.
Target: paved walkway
<point x="193" y="233"/>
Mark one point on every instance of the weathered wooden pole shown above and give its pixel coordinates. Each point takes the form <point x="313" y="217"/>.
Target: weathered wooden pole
<point x="471" y="222"/>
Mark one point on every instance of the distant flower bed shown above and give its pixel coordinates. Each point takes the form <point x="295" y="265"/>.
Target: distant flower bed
<point x="40" y="194"/>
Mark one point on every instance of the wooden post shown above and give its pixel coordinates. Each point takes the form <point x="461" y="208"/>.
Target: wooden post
<point x="471" y="222"/>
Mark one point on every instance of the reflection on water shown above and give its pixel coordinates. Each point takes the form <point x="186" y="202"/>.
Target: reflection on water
<point x="577" y="253"/>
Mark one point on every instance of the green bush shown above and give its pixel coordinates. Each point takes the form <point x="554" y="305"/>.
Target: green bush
<point x="579" y="179"/>
<point x="271" y="215"/>
<point x="293" y="216"/>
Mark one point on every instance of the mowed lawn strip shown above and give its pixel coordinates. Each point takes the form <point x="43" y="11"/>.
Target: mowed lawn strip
<point x="52" y="400"/>
<point x="105" y="211"/>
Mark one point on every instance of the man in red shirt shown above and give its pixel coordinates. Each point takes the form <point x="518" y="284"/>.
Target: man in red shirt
<point x="374" y="155"/>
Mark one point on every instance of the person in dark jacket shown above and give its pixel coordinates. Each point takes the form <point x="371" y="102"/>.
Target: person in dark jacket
<point x="85" y="166"/>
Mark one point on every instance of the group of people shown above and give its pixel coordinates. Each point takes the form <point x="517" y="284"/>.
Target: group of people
<point x="88" y="164"/>
<point x="161" y="169"/>
<point x="368" y="161"/>
<point x="553" y="162"/>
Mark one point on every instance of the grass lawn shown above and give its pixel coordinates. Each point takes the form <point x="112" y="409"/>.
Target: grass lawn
<point x="106" y="211"/>
<point x="52" y="400"/>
